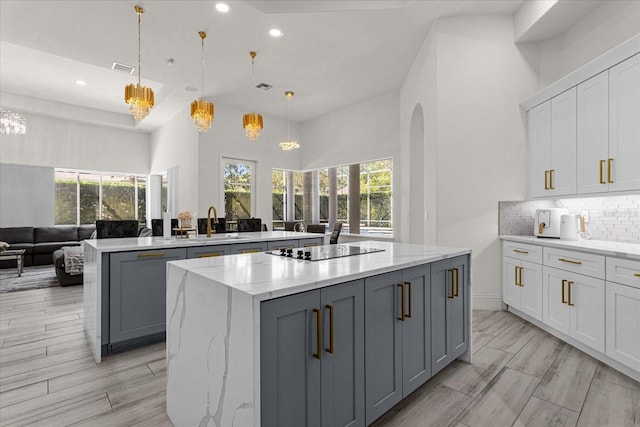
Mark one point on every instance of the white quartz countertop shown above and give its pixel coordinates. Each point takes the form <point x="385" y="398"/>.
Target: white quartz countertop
<point x="142" y="243"/>
<point x="266" y="276"/>
<point x="601" y="247"/>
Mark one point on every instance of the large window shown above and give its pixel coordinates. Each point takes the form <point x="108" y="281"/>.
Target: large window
<point x="239" y="178"/>
<point x="83" y="197"/>
<point x="375" y="195"/>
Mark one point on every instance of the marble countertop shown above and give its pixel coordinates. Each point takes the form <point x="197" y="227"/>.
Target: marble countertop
<point x="266" y="276"/>
<point x="601" y="247"/>
<point x="142" y="243"/>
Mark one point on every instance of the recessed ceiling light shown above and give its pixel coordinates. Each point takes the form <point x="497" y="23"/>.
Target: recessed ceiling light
<point x="274" y="32"/>
<point x="222" y="7"/>
<point x="81" y="83"/>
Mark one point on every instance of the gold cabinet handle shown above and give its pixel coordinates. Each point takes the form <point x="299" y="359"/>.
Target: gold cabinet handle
<point x="331" y="348"/>
<point x="551" y="171"/>
<point x="250" y="251"/>
<point x="609" y="171"/>
<point x="210" y="255"/>
<point x="457" y="282"/>
<point x="520" y="251"/>
<point x="452" y="285"/>
<point x="564" y="300"/>
<point x="402" y="316"/>
<point x="521" y="269"/>
<point x="570" y="261"/>
<point x="410" y="300"/>
<point x="546" y="185"/>
<point x="569" y="293"/>
<point x="515" y="280"/>
<point x="601" y="172"/>
<point x="151" y="255"/>
<point x="637" y="274"/>
<point x="318" y="313"/>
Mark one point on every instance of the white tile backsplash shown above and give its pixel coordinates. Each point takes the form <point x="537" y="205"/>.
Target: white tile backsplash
<point x="611" y="218"/>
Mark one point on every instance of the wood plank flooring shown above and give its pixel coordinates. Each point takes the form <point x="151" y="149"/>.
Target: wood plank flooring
<point x="521" y="376"/>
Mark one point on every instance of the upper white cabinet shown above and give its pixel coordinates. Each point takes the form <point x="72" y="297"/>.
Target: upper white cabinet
<point x="552" y="146"/>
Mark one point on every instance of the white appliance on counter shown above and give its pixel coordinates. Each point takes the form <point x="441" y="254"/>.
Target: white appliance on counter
<point x="547" y="222"/>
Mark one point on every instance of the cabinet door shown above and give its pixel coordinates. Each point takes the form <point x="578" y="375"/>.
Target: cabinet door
<point x="624" y="125"/>
<point x="280" y="244"/>
<point x="531" y="288"/>
<point x="290" y="374"/>
<point x="623" y="324"/>
<point x="308" y="243"/>
<point x="416" y="328"/>
<point x="554" y="292"/>
<point x="137" y="293"/>
<point x="442" y="289"/>
<point x="593" y="134"/>
<point x="539" y="139"/>
<point x="458" y="314"/>
<point x="248" y="248"/>
<point x="562" y="172"/>
<point x="511" y="292"/>
<point x="208" y="251"/>
<point x="342" y="363"/>
<point x="383" y="359"/>
<point x="585" y="300"/>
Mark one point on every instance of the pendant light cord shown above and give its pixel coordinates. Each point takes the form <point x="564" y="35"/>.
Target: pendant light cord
<point x="139" y="49"/>
<point x="202" y="37"/>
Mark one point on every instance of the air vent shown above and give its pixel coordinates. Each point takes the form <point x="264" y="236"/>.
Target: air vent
<point x="122" y="67"/>
<point x="264" y="86"/>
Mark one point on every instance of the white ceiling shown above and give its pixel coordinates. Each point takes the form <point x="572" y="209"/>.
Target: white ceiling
<point x="333" y="53"/>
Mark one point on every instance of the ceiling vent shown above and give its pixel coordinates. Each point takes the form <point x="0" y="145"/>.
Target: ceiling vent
<point x="122" y="67"/>
<point x="264" y="86"/>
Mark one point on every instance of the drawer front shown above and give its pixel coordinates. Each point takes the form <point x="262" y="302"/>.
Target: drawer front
<point x="624" y="271"/>
<point x="208" y="251"/>
<point x="522" y="251"/>
<point x="577" y="262"/>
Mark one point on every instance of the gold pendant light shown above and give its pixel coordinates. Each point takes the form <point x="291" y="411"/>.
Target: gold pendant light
<point x="252" y="122"/>
<point x="202" y="110"/>
<point x="289" y="144"/>
<point x="139" y="98"/>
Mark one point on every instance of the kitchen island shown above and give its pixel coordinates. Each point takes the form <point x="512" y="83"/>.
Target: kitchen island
<point x="125" y="281"/>
<point x="269" y="340"/>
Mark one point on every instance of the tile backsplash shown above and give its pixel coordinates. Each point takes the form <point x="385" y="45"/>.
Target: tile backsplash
<point x="611" y="218"/>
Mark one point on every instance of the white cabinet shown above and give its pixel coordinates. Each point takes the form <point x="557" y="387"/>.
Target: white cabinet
<point x="552" y="146"/>
<point x="574" y="305"/>
<point x="522" y="280"/>
<point x="608" y="130"/>
<point x="623" y="311"/>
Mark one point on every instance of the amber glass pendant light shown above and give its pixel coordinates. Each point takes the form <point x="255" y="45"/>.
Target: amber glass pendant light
<point x="289" y="144"/>
<point x="139" y="98"/>
<point x="252" y="122"/>
<point x="202" y="110"/>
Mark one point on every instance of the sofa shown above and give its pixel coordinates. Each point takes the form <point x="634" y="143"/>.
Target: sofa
<point x="40" y="243"/>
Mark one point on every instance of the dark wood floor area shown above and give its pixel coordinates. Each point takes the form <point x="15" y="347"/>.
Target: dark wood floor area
<point x="521" y="376"/>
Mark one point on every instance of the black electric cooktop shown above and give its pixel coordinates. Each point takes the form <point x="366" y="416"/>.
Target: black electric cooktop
<point x="318" y="253"/>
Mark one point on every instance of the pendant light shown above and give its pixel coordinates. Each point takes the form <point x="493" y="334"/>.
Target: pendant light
<point x="289" y="144"/>
<point x="252" y="122"/>
<point x="202" y="110"/>
<point x="139" y="98"/>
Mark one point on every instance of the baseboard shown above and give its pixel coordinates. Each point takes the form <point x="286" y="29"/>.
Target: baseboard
<point x="491" y="302"/>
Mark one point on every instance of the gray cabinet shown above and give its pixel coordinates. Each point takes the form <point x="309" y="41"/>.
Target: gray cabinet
<point x="312" y="358"/>
<point x="248" y="248"/>
<point x="449" y="311"/>
<point x="137" y="296"/>
<point x="314" y="241"/>
<point x="208" y="251"/>
<point x="282" y="244"/>
<point x="397" y="337"/>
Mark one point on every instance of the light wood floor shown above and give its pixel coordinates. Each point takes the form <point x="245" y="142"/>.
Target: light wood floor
<point x="521" y="376"/>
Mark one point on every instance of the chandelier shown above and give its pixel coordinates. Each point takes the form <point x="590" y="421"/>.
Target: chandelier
<point x="201" y="109"/>
<point x="289" y="144"/>
<point x="12" y="123"/>
<point x="139" y="98"/>
<point x="252" y="122"/>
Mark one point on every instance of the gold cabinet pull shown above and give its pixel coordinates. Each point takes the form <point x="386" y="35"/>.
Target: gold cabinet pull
<point x="551" y="171"/>
<point x="402" y="316"/>
<point x="318" y="313"/>
<point x="546" y="185"/>
<point x="410" y="300"/>
<point x="601" y="172"/>
<point x="457" y="282"/>
<point x="521" y="269"/>
<point x="637" y="274"/>
<point x="564" y="300"/>
<point x="520" y="251"/>
<point x="331" y="348"/>
<point x="569" y="293"/>
<point x="609" y="171"/>
<point x="210" y="255"/>
<point x="151" y="255"/>
<point x="570" y="261"/>
<point x="452" y="285"/>
<point x="515" y="280"/>
<point x="250" y="251"/>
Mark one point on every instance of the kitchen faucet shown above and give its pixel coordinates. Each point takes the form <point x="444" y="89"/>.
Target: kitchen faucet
<point x="215" y="220"/>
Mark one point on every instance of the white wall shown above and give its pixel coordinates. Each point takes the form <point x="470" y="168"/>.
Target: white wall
<point x="26" y="195"/>
<point x="605" y="27"/>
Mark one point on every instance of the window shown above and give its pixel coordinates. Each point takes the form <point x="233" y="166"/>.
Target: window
<point x="375" y="195"/>
<point x="278" y="198"/>
<point x="239" y="176"/>
<point x="83" y="197"/>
